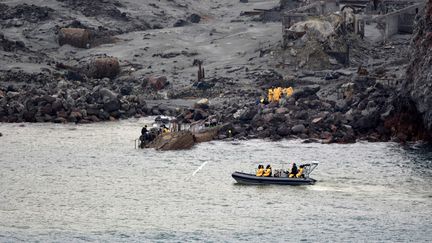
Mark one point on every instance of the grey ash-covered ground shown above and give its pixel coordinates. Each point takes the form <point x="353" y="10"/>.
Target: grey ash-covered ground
<point x="157" y="43"/>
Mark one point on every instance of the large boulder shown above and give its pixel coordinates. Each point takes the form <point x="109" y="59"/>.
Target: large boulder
<point x="306" y="91"/>
<point x="248" y="114"/>
<point x="194" y="18"/>
<point x="112" y="105"/>
<point x="283" y="130"/>
<point x="298" y="129"/>
<point x="107" y="94"/>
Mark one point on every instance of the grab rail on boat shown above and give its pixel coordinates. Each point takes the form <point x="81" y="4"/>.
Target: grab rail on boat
<point x="310" y="167"/>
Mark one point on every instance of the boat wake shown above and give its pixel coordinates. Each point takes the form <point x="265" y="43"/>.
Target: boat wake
<point x="199" y="168"/>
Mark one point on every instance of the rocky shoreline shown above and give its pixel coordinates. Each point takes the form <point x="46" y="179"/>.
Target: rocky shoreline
<point x="334" y="105"/>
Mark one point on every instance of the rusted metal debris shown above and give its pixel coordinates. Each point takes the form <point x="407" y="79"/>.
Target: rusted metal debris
<point x="77" y="37"/>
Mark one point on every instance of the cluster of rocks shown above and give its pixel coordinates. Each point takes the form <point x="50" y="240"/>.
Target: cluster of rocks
<point x="99" y="87"/>
<point x="24" y="12"/>
<point x="96" y="8"/>
<point x="199" y="112"/>
<point x="43" y="98"/>
<point x="193" y="18"/>
<point x="85" y="89"/>
<point x="365" y="109"/>
<point x="68" y="105"/>
<point x="10" y="45"/>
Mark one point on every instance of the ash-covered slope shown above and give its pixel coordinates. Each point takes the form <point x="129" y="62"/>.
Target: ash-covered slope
<point x="418" y="84"/>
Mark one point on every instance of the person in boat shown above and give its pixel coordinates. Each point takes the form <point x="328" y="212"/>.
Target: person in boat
<point x="268" y="171"/>
<point x="294" y="170"/>
<point x="144" y="135"/>
<point x="300" y="172"/>
<point x="144" y="130"/>
<point x="260" y="170"/>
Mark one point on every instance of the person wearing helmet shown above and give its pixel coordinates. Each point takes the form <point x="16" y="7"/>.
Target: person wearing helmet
<point x="260" y="170"/>
<point x="300" y="172"/>
<point x="270" y="95"/>
<point x="294" y="170"/>
<point x="144" y="130"/>
<point x="268" y="171"/>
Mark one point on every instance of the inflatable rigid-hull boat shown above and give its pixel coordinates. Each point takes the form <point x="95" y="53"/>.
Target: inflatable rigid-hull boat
<point x="251" y="179"/>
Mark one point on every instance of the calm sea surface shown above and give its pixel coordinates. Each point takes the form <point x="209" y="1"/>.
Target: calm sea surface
<point x="68" y="183"/>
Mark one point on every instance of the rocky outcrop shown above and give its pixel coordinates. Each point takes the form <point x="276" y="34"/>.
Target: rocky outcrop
<point x="25" y="12"/>
<point x="419" y="74"/>
<point x="65" y="101"/>
<point x="11" y="46"/>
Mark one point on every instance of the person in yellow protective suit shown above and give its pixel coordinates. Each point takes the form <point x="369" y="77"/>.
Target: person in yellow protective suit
<point x="288" y="91"/>
<point x="165" y="129"/>
<point x="300" y="172"/>
<point x="277" y="94"/>
<point x="268" y="171"/>
<point x="260" y="170"/>
<point x="270" y="95"/>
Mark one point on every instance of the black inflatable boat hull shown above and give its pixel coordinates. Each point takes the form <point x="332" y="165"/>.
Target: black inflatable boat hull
<point x="250" y="179"/>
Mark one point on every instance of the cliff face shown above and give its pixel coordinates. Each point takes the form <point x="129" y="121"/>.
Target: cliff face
<point x="418" y="84"/>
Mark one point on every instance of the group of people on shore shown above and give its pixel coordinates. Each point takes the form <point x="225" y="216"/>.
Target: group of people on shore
<point x="294" y="173"/>
<point x="275" y="94"/>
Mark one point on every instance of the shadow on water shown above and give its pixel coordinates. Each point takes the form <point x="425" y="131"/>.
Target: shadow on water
<point x="419" y="158"/>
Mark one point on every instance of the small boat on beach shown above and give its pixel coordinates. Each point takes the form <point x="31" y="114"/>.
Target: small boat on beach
<point x="280" y="177"/>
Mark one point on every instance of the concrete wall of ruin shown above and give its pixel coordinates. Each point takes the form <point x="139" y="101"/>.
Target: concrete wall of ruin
<point x="399" y="21"/>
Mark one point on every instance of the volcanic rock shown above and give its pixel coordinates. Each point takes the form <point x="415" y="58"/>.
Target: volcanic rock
<point x="194" y="18"/>
<point x="158" y="82"/>
<point x="298" y="129"/>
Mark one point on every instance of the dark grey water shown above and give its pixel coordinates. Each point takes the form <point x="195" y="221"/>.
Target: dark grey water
<point x="87" y="183"/>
